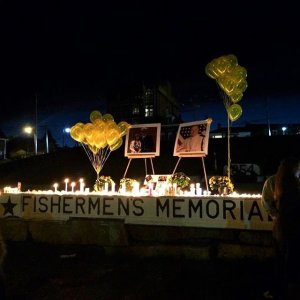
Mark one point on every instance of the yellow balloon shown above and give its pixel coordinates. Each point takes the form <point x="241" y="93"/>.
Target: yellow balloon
<point x="232" y="59"/>
<point x="210" y="71"/>
<point x="123" y="126"/>
<point x="95" y="115"/>
<point x="234" y="112"/>
<point x="242" y="86"/>
<point x="76" y="132"/>
<point x="112" y="136"/>
<point x="99" y="123"/>
<point x="239" y="71"/>
<point x="79" y="124"/>
<point x="236" y="96"/>
<point x="111" y="125"/>
<point x="93" y="149"/>
<point x="88" y="129"/>
<point x="116" y="145"/>
<point x="100" y="140"/>
<point x="107" y="117"/>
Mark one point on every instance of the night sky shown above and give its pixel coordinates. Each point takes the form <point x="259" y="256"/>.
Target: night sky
<point x="70" y="56"/>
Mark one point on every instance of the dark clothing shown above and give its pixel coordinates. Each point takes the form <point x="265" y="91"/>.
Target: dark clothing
<point x="286" y="233"/>
<point x="287" y="224"/>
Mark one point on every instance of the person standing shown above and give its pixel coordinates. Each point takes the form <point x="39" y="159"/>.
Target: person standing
<point x="284" y="208"/>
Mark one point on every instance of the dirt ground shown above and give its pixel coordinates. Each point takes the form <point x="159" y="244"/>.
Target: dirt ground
<point x="42" y="271"/>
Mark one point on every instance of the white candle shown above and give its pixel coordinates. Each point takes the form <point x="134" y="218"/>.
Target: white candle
<point x="106" y="187"/>
<point x="199" y="191"/>
<point x="174" y="187"/>
<point x="81" y="185"/>
<point x="192" y="189"/>
<point x="113" y="187"/>
<point x="198" y="185"/>
<point x="66" y="184"/>
<point x="73" y="185"/>
<point x="136" y="187"/>
<point x="55" y="185"/>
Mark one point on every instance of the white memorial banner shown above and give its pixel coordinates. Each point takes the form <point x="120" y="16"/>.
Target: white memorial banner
<point x="208" y="211"/>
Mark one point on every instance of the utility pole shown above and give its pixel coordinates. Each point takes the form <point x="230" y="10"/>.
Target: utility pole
<point x="36" y="127"/>
<point x="47" y="141"/>
<point x="268" y="117"/>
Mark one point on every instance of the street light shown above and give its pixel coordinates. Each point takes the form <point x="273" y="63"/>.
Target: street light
<point x="30" y="130"/>
<point x="283" y="130"/>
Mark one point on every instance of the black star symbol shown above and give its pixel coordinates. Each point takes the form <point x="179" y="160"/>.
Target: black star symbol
<point x="8" y="207"/>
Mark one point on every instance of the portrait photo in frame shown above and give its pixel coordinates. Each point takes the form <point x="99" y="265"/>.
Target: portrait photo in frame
<point x="192" y="139"/>
<point x="143" y="140"/>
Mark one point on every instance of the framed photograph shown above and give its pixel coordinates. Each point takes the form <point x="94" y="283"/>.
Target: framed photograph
<point x="159" y="182"/>
<point x="192" y="139"/>
<point x="143" y="140"/>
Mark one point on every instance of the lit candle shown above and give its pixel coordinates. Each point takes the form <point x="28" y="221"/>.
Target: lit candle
<point x="55" y="185"/>
<point x="106" y="187"/>
<point x="66" y="184"/>
<point x="136" y="187"/>
<point x="81" y="185"/>
<point x="192" y="189"/>
<point x="174" y="187"/>
<point x="73" y="185"/>
<point x="199" y="191"/>
<point x="113" y="187"/>
<point x="123" y="188"/>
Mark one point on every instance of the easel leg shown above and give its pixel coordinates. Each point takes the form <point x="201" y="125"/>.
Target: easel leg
<point x="179" y="158"/>
<point x="204" y="170"/>
<point x="146" y="170"/>
<point x="152" y="166"/>
<point x="127" y="168"/>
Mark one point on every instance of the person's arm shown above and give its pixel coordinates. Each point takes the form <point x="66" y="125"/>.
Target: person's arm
<point x="131" y="147"/>
<point x="267" y="200"/>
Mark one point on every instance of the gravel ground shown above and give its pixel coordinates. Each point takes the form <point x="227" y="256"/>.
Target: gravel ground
<point x="42" y="271"/>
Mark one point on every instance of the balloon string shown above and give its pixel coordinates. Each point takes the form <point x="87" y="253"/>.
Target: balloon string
<point x="88" y="152"/>
<point x="104" y="155"/>
<point x="105" y="159"/>
<point x="228" y="148"/>
<point x="226" y="102"/>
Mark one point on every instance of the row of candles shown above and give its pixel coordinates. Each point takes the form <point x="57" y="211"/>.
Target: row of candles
<point x="73" y="185"/>
<point x="161" y="189"/>
<point x="166" y="188"/>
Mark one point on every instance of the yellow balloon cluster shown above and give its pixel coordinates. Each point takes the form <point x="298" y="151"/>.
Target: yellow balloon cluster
<point x="102" y="131"/>
<point x="231" y="77"/>
<point x="99" y="137"/>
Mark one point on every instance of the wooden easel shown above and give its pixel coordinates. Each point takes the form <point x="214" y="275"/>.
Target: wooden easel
<point x="146" y="169"/>
<point x="203" y="165"/>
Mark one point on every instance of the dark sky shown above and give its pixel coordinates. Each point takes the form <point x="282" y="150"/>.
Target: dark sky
<point x="66" y="51"/>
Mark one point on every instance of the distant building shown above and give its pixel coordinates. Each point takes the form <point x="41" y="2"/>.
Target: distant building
<point x="250" y="130"/>
<point x="147" y="103"/>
